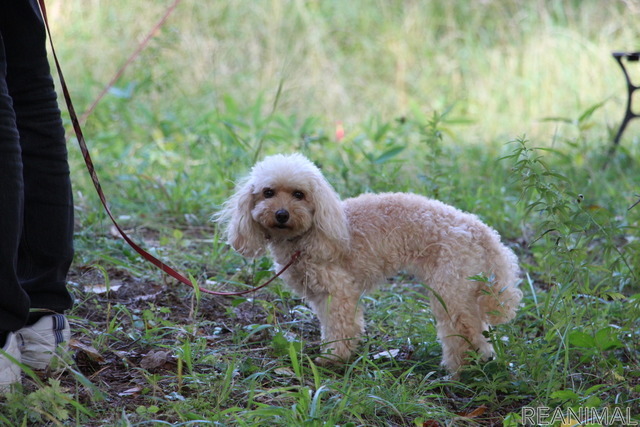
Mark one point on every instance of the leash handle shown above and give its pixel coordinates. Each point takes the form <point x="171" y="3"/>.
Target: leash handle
<point x="96" y="183"/>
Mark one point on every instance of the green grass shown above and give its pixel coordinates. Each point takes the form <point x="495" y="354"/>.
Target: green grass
<point x="446" y="99"/>
<point x="504" y="65"/>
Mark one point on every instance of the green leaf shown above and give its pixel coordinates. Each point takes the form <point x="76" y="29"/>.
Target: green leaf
<point x="255" y="329"/>
<point x="389" y="154"/>
<point x="565" y="395"/>
<point x="580" y="339"/>
<point x="613" y="296"/>
<point x="315" y="402"/>
<point x="382" y="131"/>
<point x="281" y="344"/>
<point x="295" y="363"/>
<point x="237" y="301"/>
<point x="592" y="402"/>
<point x="589" y="111"/>
<point x="606" y="339"/>
<point x="557" y="119"/>
<point x="513" y="419"/>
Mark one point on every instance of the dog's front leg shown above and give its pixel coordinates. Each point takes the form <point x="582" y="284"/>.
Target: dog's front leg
<point x="341" y="323"/>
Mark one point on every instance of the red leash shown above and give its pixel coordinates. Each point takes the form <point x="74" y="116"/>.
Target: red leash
<point x="96" y="182"/>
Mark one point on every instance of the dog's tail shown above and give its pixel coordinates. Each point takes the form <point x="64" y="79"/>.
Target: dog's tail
<point x="500" y="296"/>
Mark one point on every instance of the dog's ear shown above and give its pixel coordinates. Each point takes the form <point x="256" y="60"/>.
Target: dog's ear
<point x="329" y="219"/>
<point x="243" y="233"/>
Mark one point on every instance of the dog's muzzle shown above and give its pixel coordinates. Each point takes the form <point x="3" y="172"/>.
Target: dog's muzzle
<point x="282" y="216"/>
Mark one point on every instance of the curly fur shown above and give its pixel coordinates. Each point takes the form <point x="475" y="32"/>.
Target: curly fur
<point x="348" y="247"/>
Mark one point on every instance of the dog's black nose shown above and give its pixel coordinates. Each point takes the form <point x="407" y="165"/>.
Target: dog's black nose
<point x="282" y="216"/>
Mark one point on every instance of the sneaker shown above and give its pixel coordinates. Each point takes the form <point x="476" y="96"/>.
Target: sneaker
<point x="9" y="359"/>
<point x="39" y="342"/>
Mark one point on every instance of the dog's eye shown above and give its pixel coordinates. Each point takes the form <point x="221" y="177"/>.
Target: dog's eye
<point x="298" y="195"/>
<point x="268" y="193"/>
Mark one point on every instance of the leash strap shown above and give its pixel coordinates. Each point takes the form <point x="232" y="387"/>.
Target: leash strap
<point x="96" y="183"/>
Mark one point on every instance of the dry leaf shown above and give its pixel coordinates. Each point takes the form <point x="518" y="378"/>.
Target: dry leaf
<point x="389" y="354"/>
<point x="155" y="359"/>
<point x="88" y="350"/>
<point x="114" y="232"/>
<point x="131" y="392"/>
<point x="100" y="288"/>
<point x="284" y="372"/>
<point x="475" y="413"/>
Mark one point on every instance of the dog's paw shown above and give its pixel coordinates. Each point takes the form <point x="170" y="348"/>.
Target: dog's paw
<point x="328" y="359"/>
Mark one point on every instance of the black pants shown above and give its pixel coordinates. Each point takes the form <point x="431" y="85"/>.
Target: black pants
<point x="36" y="206"/>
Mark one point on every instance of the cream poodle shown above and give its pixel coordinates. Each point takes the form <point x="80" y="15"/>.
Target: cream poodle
<point x="348" y="247"/>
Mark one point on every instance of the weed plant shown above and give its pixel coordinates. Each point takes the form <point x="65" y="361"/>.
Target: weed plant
<point x="223" y="86"/>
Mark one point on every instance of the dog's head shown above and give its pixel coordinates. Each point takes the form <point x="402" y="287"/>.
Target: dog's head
<point x="283" y="198"/>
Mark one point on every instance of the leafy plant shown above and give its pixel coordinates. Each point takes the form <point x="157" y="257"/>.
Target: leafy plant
<point x="51" y="403"/>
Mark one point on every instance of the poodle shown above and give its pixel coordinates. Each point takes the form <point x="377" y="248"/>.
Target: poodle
<point x="348" y="247"/>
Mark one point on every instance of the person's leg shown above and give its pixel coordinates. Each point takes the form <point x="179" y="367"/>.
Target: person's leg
<point x="14" y="302"/>
<point x="46" y="245"/>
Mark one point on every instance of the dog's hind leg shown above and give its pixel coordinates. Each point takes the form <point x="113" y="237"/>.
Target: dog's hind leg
<point x="460" y="327"/>
<point x="342" y="324"/>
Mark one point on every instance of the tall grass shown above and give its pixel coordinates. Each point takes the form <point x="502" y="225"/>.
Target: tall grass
<point x="503" y="65"/>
